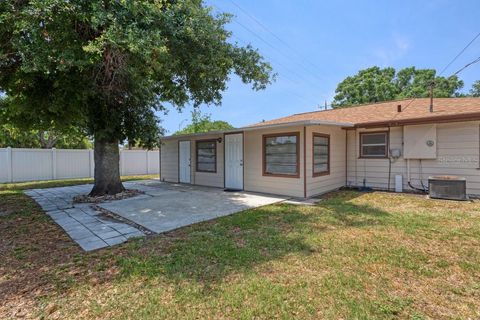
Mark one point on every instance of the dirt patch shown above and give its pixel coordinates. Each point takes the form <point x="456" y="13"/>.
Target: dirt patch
<point x="84" y="198"/>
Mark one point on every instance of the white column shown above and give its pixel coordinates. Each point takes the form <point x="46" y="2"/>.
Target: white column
<point x="92" y="163"/>
<point x="148" y="160"/>
<point x="54" y="163"/>
<point x="9" y="165"/>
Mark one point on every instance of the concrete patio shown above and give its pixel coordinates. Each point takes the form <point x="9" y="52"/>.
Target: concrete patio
<point x="171" y="206"/>
<point x="163" y="207"/>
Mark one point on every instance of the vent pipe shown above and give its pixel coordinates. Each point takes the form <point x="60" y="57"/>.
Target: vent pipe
<point x="399" y="108"/>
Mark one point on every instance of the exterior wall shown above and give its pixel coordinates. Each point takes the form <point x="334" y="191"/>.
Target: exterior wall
<point x="208" y="178"/>
<point x="169" y="162"/>
<point x="457" y="154"/>
<point x="254" y="180"/>
<point x="336" y="178"/>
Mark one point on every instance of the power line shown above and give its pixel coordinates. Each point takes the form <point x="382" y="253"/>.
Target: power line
<point x="273" y="34"/>
<point x="275" y="48"/>
<point x="466" y="66"/>
<point x="459" y="54"/>
<point x="449" y="64"/>
<point x="304" y="98"/>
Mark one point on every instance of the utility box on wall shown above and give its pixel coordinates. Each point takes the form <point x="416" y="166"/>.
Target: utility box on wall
<point x="420" y="141"/>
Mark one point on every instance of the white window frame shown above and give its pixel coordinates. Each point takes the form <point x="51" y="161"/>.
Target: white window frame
<point x="362" y="134"/>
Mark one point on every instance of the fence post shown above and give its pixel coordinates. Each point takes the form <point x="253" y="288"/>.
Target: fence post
<point x="91" y="163"/>
<point x="148" y="160"/>
<point x="54" y="163"/>
<point x="9" y="165"/>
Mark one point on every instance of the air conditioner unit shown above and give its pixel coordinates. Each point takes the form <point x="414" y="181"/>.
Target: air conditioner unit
<point x="447" y="187"/>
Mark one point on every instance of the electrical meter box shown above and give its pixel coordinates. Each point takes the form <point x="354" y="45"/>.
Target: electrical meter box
<point x="420" y="141"/>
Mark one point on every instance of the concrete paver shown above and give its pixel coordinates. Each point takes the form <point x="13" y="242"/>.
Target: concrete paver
<point x="162" y="208"/>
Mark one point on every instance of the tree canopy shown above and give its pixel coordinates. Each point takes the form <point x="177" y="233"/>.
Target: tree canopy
<point x="376" y="84"/>
<point x="204" y="123"/>
<point x="107" y="67"/>
<point x="475" y="91"/>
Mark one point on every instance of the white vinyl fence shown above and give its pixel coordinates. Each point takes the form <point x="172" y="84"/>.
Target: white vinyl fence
<point x="18" y="165"/>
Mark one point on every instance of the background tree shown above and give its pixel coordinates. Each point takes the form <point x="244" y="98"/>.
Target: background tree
<point x="106" y="66"/>
<point x="11" y="136"/>
<point x="475" y="91"/>
<point x="45" y="137"/>
<point x="375" y="85"/>
<point x="204" y="123"/>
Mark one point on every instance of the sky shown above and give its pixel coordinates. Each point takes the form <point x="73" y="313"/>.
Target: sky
<point x="314" y="45"/>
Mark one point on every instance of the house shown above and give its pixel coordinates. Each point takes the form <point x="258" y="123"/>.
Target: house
<point x="376" y="145"/>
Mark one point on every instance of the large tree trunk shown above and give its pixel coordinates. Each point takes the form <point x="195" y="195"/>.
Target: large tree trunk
<point x="107" y="169"/>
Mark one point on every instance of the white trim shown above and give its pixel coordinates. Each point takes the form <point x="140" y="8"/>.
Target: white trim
<point x="261" y="127"/>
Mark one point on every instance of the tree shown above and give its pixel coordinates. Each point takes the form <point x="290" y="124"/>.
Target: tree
<point x="38" y="137"/>
<point x="11" y="136"/>
<point x="475" y="91"/>
<point x="106" y="67"/>
<point x="375" y="85"/>
<point x="203" y="123"/>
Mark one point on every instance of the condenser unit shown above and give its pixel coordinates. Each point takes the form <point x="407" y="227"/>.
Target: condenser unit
<point x="447" y="187"/>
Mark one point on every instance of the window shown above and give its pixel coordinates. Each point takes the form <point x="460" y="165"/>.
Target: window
<point x="206" y="156"/>
<point x="321" y="154"/>
<point x="281" y="155"/>
<point x="373" y="145"/>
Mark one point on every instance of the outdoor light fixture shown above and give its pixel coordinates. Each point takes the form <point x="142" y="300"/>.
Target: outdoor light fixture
<point x="219" y="140"/>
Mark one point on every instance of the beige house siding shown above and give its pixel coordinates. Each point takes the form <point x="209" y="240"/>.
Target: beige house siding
<point x="254" y="180"/>
<point x="457" y="147"/>
<point x="169" y="161"/>
<point x="208" y="178"/>
<point x="336" y="178"/>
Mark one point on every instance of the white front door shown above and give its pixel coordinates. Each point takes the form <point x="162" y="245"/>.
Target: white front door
<point x="234" y="161"/>
<point x="184" y="161"/>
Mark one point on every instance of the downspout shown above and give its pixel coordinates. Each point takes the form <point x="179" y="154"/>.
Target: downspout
<point x="304" y="161"/>
<point x="355" y="156"/>
<point x="346" y="158"/>
<point x="389" y="160"/>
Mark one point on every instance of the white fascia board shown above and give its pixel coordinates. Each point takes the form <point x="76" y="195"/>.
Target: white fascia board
<point x="262" y="127"/>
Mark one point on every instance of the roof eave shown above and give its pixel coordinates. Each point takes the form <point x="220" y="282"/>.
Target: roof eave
<point x="473" y="116"/>
<point x="262" y="127"/>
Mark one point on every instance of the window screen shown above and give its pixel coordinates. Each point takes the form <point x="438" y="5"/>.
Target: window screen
<point x="321" y="154"/>
<point x="207" y="156"/>
<point x="281" y="155"/>
<point x="373" y="144"/>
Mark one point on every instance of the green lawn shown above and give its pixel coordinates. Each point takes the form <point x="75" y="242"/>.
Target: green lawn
<point x="352" y="256"/>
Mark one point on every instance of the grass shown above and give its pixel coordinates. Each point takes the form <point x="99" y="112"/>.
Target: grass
<point x="352" y="256"/>
<point x="63" y="183"/>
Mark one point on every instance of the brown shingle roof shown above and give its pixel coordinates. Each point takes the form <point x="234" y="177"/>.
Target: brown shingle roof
<point x="385" y="113"/>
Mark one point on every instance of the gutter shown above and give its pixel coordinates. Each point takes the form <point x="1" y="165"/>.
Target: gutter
<point x="473" y="116"/>
<point x="261" y="127"/>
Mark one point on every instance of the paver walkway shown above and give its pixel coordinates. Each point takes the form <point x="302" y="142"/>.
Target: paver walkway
<point x="162" y="207"/>
<point x="88" y="227"/>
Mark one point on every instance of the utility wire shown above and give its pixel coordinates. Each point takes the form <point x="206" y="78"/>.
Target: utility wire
<point x="466" y="66"/>
<point x="304" y="98"/>
<point x="459" y="54"/>
<point x="273" y="34"/>
<point x="449" y="64"/>
<point x="275" y="48"/>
